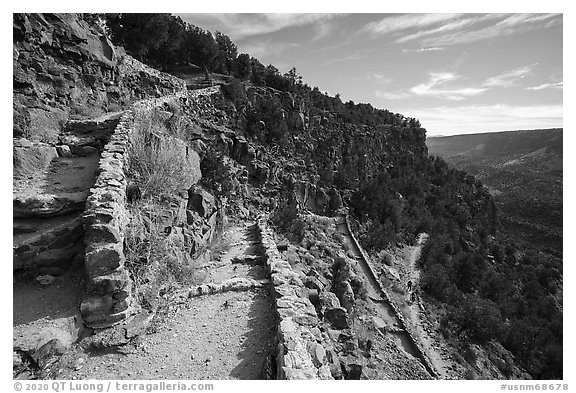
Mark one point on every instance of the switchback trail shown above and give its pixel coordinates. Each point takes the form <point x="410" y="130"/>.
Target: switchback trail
<point x="380" y="301"/>
<point x="415" y="318"/>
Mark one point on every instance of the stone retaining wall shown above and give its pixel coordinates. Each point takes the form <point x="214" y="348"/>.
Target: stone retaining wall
<point x="131" y="65"/>
<point x="108" y="297"/>
<point x="422" y="355"/>
<point x="301" y="354"/>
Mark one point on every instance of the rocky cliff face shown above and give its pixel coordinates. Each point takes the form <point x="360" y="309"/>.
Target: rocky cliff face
<point x="65" y="67"/>
<point x="66" y="75"/>
<point x="289" y="145"/>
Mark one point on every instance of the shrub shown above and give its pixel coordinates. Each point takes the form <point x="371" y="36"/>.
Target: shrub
<point x="153" y="161"/>
<point x="157" y="261"/>
<point x="217" y="173"/>
<point x="234" y="91"/>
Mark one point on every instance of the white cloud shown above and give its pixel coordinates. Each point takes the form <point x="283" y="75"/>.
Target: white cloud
<point x="509" y="78"/>
<point x="508" y="25"/>
<point x="397" y="23"/>
<point x="390" y="95"/>
<point x="324" y="27"/>
<point x="557" y="85"/>
<point x="437" y="86"/>
<point x="438" y="30"/>
<point x="441" y="85"/>
<point x="258" y="48"/>
<point x="420" y="50"/>
<point x="433" y="88"/>
<point x="448" y="120"/>
<point x="457" y="25"/>
<point x="239" y="26"/>
<point x="381" y="79"/>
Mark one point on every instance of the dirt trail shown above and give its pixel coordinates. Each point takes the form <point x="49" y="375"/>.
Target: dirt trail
<point x="416" y="319"/>
<point x="220" y="336"/>
<point x="379" y="300"/>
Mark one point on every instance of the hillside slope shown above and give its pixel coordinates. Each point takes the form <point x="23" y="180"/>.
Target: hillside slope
<point x="524" y="172"/>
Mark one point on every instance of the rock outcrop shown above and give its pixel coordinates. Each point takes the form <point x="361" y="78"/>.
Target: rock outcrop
<point x="64" y="66"/>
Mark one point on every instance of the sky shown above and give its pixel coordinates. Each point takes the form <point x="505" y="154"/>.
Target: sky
<point x="456" y="73"/>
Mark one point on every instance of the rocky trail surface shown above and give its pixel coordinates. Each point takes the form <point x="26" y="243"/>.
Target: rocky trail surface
<point x="405" y="270"/>
<point x="226" y="334"/>
<point x="380" y="301"/>
<point x="51" y="185"/>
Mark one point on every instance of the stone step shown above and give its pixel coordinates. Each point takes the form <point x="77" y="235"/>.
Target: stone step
<point x="46" y="245"/>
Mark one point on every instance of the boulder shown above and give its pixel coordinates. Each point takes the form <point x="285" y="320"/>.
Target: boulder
<point x="138" y="324"/>
<point x="53" y="247"/>
<point x="328" y="299"/>
<point x="352" y="368"/>
<point x="345" y="294"/>
<point x="30" y="337"/>
<point x="49" y="353"/>
<point x="29" y="158"/>
<point x="337" y="316"/>
<point x="317" y="354"/>
<point x="64" y="151"/>
<point x="201" y="201"/>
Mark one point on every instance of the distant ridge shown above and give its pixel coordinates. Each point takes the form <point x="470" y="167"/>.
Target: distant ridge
<point x="492" y="132"/>
<point x="495" y="144"/>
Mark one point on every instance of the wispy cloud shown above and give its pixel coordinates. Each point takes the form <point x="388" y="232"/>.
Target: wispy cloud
<point x="509" y="78"/>
<point x="442" y="85"/>
<point x="556" y="85"/>
<point x="351" y="57"/>
<point x="239" y="26"/>
<point x="508" y="24"/>
<point x="391" y="95"/>
<point x="435" y="87"/>
<point x="324" y="27"/>
<point x="482" y="118"/>
<point x="381" y="79"/>
<point x="421" y="50"/>
<point x="257" y="48"/>
<point x="439" y="30"/>
<point x="456" y="25"/>
<point x="396" y="23"/>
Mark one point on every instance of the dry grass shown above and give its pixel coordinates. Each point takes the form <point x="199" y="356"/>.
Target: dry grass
<point x="155" y="160"/>
<point x="220" y="248"/>
<point x="157" y="261"/>
<point x="84" y="111"/>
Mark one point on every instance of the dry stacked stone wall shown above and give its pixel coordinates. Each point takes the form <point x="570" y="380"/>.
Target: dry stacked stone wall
<point x="301" y="353"/>
<point x="108" y="298"/>
<point x="421" y="354"/>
